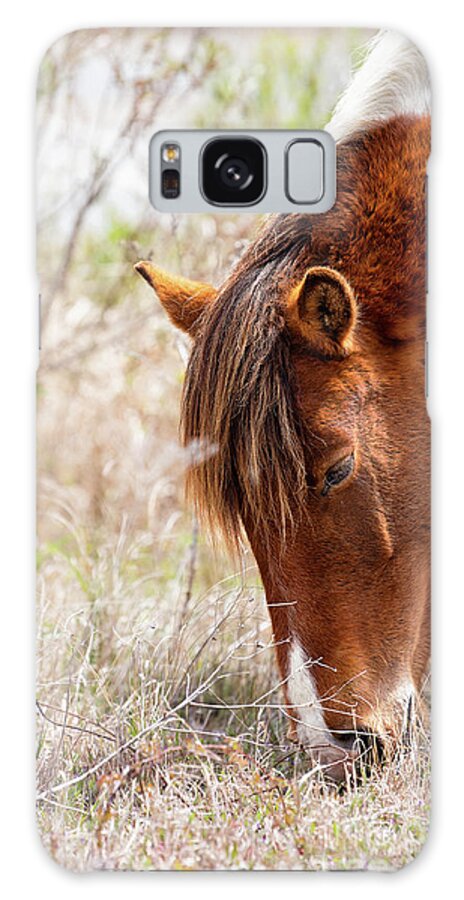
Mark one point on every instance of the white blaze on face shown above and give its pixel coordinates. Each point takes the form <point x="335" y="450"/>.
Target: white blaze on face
<point x="302" y="694"/>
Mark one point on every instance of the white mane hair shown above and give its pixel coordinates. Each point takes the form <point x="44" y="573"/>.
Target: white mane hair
<point x="393" y="81"/>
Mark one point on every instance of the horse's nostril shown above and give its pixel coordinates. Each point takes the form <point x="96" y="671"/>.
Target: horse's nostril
<point x="344" y="739"/>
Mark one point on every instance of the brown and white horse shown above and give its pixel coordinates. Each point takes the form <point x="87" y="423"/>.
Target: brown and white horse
<point x="307" y="378"/>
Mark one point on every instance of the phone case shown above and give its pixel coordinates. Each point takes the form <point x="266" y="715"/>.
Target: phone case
<point x="233" y="464"/>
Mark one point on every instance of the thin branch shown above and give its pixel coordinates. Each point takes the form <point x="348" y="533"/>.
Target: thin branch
<point x="66" y="726"/>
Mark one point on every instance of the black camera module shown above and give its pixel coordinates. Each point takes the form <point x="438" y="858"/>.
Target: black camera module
<point x="233" y="171"/>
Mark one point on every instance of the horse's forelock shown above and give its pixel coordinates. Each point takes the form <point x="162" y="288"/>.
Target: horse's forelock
<point x="238" y="401"/>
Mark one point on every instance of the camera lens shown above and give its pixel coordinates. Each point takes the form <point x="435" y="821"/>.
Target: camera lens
<point x="233" y="171"/>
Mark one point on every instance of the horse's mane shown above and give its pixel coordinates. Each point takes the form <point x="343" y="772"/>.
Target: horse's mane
<point x="238" y="410"/>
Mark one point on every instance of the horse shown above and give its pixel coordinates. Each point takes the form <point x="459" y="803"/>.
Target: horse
<point x="306" y="381"/>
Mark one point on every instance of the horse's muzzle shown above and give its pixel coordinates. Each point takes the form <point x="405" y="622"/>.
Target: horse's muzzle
<point x="336" y="763"/>
<point x="342" y="758"/>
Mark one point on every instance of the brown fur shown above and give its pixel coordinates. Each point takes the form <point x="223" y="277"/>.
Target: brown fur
<point x="279" y="411"/>
<point x="183" y="300"/>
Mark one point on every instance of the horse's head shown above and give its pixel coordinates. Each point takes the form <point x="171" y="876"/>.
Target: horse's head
<point x="306" y="383"/>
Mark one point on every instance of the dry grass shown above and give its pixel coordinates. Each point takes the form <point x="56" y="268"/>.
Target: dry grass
<point x="161" y="742"/>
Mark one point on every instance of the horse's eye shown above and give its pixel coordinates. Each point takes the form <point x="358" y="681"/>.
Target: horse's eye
<point x="337" y="473"/>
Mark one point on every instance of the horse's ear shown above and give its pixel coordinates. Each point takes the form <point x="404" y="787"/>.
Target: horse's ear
<point x="183" y="300"/>
<point x="321" y="311"/>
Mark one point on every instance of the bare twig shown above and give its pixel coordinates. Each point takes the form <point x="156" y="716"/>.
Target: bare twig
<point x="66" y="726"/>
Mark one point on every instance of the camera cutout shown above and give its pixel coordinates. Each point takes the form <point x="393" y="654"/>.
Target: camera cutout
<point x="263" y="171"/>
<point x="233" y="171"/>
